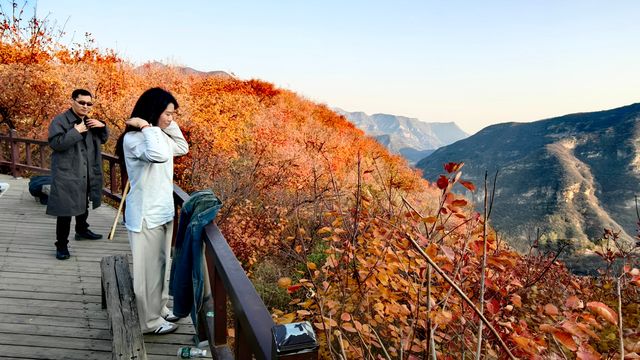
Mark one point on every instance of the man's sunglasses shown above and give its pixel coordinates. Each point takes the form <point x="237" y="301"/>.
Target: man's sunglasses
<point x="83" y="103"/>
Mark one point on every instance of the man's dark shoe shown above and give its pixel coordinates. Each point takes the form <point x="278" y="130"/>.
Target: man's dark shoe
<point x="62" y="254"/>
<point x="88" y="235"/>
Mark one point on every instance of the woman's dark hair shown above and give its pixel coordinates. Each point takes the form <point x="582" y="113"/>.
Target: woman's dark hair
<point x="150" y="105"/>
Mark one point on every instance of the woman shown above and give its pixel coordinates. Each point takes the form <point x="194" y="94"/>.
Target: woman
<point x="148" y="145"/>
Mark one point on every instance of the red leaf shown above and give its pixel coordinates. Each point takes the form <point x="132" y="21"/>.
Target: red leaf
<point x="469" y="185"/>
<point x="293" y="288"/>
<point x="443" y="182"/>
<point x="451" y="167"/>
<point x="493" y="306"/>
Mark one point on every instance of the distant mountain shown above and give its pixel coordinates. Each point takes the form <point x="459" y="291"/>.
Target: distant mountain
<point x="191" y="71"/>
<point x="569" y="176"/>
<point x="410" y="137"/>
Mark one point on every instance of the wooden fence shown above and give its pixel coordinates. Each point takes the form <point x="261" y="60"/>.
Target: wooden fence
<point x="227" y="280"/>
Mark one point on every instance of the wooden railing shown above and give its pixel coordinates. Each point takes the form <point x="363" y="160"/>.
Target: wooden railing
<point x="23" y="154"/>
<point x="227" y="279"/>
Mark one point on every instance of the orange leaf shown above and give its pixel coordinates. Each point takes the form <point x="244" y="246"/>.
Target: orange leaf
<point x="284" y="282"/>
<point x="516" y="300"/>
<point x="551" y="310"/>
<point x="565" y="339"/>
<point x="586" y="352"/>
<point x="604" y="311"/>
<point x="572" y="328"/>
<point x="548" y="328"/>
<point x="345" y="316"/>
<point x="348" y="327"/>
<point x="429" y="219"/>
<point x="573" y="302"/>
<point x="459" y="202"/>
<point x="525" y="344"/>
<point x="587" y="330"/>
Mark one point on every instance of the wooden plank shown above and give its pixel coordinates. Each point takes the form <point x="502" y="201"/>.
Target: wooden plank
<point x="51" y="309"/>
<point x="117" y="285"/>
<point x="55" y="342"/>
<point x="34" y="352"/>
<point x="46" y="330"/>
<point x="20" y="294"/>
<point x="46" y="311"/>
<point x="54" y="321"/>
<point x="48" y="303"/>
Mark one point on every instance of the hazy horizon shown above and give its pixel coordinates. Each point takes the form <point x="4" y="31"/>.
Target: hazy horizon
<point x="474" y="64"/>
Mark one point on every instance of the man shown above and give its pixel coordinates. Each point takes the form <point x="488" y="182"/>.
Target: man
<point x="76" y="169"/>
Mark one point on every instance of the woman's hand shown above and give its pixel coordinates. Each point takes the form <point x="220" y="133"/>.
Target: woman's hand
<point x="137" y="122"/>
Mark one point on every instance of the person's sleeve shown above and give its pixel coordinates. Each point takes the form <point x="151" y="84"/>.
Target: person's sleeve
<point x="61" y="139"/>
<point x="179" y="145"/>
<point x="150" y="147"/>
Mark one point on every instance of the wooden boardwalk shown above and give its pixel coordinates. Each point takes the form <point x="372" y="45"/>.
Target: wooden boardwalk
<point x="51" y="309"/>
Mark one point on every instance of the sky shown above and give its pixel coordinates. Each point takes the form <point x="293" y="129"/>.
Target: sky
<point x="475" y="63"/>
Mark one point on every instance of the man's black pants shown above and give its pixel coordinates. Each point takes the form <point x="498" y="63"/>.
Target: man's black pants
<point x="63" y="227"/>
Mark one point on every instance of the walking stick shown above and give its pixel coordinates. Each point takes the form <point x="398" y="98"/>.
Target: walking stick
<point x="115" y="221"/>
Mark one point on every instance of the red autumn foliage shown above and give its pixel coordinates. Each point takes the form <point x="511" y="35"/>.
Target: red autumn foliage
<point x="302" y="185"/>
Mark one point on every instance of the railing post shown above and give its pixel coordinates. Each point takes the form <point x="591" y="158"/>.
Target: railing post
<point x="27" y="147"/>
<point x="42" y="149"/>
<point x="219" y="294"/>
<point x="15" y="152"/>
<point x="242" y="349"/>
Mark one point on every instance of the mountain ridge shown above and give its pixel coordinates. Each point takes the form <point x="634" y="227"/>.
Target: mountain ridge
<point x="412" y="138"/>
<point x="570" y="176"/>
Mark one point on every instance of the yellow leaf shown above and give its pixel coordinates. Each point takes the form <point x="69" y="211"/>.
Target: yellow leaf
<point x="284" y="282"/>
<point x="324" y="230"/>
<point x="311" y="265"/>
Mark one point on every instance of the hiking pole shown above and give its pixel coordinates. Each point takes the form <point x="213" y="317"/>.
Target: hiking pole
<point x="115" y="221"/>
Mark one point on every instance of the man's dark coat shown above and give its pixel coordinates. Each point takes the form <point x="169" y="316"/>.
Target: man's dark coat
<point x="75" y="158"/>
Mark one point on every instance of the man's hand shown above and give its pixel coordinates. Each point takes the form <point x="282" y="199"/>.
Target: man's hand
<point x="93" y="123"/>
<point x="81" y="127"/>
<point x="136" y="122"/>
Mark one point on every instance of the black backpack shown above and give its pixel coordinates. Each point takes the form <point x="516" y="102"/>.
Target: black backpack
<point x="38" y="189"/>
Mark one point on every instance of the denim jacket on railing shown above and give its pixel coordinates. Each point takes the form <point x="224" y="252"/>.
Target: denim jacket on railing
<point x="187" y="278"/>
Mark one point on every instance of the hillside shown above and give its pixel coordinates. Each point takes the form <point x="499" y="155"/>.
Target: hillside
<point x="410" y="137"/>
<point x="569" y="176"/>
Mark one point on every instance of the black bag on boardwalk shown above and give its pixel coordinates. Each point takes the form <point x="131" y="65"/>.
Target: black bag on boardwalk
<point x="39" y="187"/>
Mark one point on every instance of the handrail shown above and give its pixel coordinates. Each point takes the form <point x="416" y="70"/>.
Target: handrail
<point x="227" y="279"/>
<point x="15" y="144"/>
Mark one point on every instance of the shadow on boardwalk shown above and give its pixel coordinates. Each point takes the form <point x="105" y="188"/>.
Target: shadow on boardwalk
<point x="51" y="309"/>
